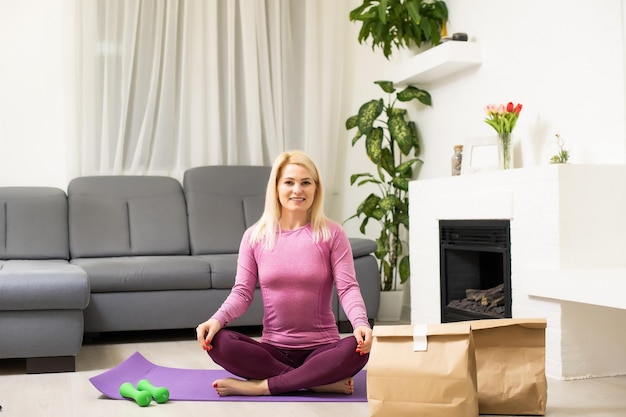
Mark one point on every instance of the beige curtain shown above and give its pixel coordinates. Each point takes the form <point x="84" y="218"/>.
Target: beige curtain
<point x="165" y="85"/>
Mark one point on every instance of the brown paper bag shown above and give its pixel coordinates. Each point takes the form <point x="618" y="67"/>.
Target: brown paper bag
<point x="437" y="382"/>
<point x="510" y="366"/>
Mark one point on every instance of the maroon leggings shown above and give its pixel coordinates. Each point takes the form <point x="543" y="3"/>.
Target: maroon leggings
<point x="286" y="370"/>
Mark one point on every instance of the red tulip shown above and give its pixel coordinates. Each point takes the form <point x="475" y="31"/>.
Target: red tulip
<point x="509" y="107"/>
<point x="518" y="108"/>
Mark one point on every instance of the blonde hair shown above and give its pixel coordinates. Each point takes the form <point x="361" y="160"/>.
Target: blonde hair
<point x="268" y="225"/>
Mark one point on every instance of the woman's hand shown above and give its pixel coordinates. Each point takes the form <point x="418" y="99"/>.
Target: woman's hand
<point x="363" y="336"/>
<point x="205" y="332"/>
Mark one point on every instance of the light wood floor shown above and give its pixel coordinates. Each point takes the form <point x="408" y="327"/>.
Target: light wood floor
<point x="71" y="394"/>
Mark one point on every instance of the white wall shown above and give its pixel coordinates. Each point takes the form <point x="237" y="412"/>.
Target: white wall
<point x="35" y="89"/>
<point x="563" y="60"/>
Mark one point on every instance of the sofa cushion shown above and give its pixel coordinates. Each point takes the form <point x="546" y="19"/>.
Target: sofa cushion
<point x="33" y="223"/>
<point x="42" y="285"/>
<point x="223" y="269"/>
<point x="126" y="216"/>
<point x="146" y="273"/>
<point x="222" y="202"/>
<point x="253" y="208"/>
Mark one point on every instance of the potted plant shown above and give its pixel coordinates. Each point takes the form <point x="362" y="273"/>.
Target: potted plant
<point x="400" y="23"/>
<point x="392" y="145"/>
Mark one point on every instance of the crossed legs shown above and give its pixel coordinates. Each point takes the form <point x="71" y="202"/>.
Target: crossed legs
<point x="270" y="370"/>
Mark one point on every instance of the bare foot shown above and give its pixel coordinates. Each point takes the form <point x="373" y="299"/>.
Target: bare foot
<point x="345" y="386"/>
<point x="232" y="386"/>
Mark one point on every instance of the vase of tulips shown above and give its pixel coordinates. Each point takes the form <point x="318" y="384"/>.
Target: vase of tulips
<point x="503" y="119"/>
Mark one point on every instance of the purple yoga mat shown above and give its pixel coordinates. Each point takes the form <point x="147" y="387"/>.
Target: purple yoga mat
<point x="195" y="384"/>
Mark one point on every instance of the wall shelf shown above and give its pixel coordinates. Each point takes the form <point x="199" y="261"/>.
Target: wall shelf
<point x="438" y="62"/>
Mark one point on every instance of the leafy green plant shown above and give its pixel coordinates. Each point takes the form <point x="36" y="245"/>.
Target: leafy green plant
<point x="390" y="139"/>
<point x="397" y="23"/>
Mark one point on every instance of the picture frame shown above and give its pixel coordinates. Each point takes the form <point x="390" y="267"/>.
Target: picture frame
<point x="480" y="154"/>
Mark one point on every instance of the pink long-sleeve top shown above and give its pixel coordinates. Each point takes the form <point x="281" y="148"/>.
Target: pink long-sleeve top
<point x="296" y="279"/>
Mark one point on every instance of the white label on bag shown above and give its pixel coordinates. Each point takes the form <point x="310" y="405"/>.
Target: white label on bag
<point x="420" y="338"/>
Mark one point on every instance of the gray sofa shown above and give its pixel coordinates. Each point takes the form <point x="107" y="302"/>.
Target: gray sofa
<point x="42" y="296"/>
<point x="133" y="253"/>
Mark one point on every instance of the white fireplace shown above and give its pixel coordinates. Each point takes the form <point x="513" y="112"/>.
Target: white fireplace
<point x="568" y="254"/>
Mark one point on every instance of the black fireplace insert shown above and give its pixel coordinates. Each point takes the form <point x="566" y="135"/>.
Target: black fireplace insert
<point x="475" y="266"/>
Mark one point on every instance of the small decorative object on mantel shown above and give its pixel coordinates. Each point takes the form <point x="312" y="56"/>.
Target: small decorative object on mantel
<point x="459" y="36"/>
<point x="563" y="155"/>
<point x="457" y="160"/>
<point x="503" y="119"/>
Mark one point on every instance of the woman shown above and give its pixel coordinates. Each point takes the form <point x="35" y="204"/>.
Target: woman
<point x="296" y="255"/>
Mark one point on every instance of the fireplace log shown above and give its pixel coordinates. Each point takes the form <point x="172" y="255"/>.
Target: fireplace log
<point x="490" y="297"/>
<point x="497" y="301"/>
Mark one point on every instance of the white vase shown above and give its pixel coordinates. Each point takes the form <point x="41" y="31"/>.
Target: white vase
<point x="390" y="308"/>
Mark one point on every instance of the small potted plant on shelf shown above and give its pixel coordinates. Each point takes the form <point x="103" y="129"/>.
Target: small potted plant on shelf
<point x="400" y="23"/>
<point x="392" y="145"/>
<point x="562" y="156"/>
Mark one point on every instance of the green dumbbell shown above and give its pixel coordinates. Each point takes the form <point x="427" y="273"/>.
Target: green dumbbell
<point x="142" y="398"/>
<point x="160" y="394"/>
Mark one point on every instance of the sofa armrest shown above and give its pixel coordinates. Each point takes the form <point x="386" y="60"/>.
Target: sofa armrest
<point x="362" y="246"/>
<point x="368" y="277"/>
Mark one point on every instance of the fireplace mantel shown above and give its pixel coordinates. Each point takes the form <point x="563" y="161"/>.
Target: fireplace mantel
<point x="567" y="253"/>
